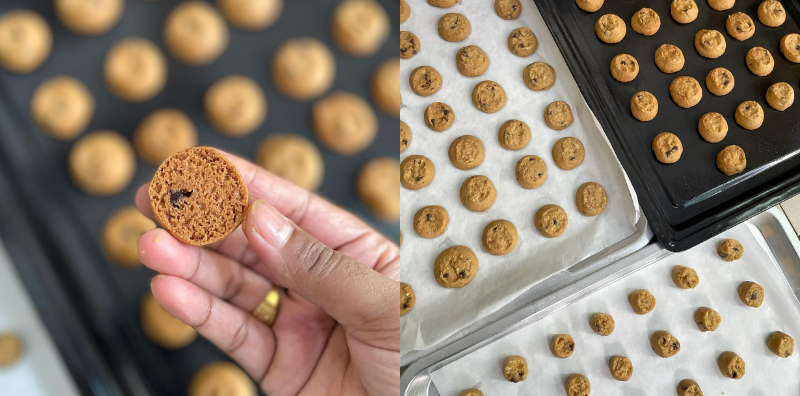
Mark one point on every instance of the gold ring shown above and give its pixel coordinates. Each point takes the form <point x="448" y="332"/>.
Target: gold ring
<point x="267" y="309"/>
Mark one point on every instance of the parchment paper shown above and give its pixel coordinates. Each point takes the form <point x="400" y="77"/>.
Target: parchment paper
<point x="743" y="330"/>
<point x="440" y="312"/>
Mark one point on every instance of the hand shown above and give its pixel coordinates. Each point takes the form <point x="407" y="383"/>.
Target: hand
<point x="338" y="325"/>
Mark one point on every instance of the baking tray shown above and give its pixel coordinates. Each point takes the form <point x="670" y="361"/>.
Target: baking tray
<point x="689" y="201"/>
<point x="67" y="223"/>
<point x="772" y="227"/>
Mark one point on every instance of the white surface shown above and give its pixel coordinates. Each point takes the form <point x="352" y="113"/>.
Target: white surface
<point x="792" y="209"/>
<point x="743" y="330"/>
<point x="40" y="371"/>
<point x="440" y="312"/>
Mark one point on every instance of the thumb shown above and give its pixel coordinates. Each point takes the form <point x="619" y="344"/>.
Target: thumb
<point x="355" y="295"/>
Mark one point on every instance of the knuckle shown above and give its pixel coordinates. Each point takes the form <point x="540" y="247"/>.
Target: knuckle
<point x="239" y="338"/>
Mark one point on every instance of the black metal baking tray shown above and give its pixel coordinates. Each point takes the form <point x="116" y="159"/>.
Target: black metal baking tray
<point x="67" y="223"/>
<point x="689" y="201"/>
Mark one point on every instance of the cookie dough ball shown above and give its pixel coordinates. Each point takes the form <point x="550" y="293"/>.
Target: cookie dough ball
<point x="562" y="346"/>
<point x="378" y="188"/>
<point x="771" y="13"/>
<point x="731" y="160"/>
<point x="405" y="11"/>
<point x="439" y="116"/>
<point x="89" y="17"/>
<point x="344" y="123"/>
<point x="198" y="196"/>
<point x="667" y="148"/>
<point x="488" y="97"/>
<point x="646" y="22"/>
<point x="780" y="96"/>
<point x="721" y="5"/>
<point x="162" y="133"/>
<point x="713" y="127"/>
<point x="720" y="81"/>
<point x="25" y="41"/>
<point x="531" y="172"/>
<point x="235" y="106"/>
<point x="790" y="47"/>
<point x="731" y="365"/>
<point x="624" y="68"/>
<point x="431" y="221"/>
<point x="515" y="368"/>
<point x="568" y="153"/>
<point x="665" y="344"/>
<point x="499" y="237"/>
<point x="471" y="61"/>
<point x="385" y="87"/>
<point x="669" y="58"/>
<point x="709" y="43"/>
<point x="195" y="33"/>
<point x="11" y="349"/>
<point x="478" y="193"/>
<point x="683" y="11"/>
<point x="135" y="70"/>
<point x="161" y="327"/>
<point x="707" y="319"/>
<point x="297" y="160"/>
<point x="740" y="26"/>
<point x="102" y="163"/>
<point x="749" y="115"/>
<point x="685" y="91"/>
<point x="416" y="171"/>
<point x="303" y="68"/>
<point x="455" y="267"/>
<point x="781" y="344"/>
<point x="514" y="135"/>
<point x="454" y="27"/>
<point x="551" y="220"/>
<point x="221" y="378"/>
<point x="522" y="42"/>
<point x="589" y="5"/>
<point x="405" y="136"/>
<point x="539" y="76"/>
<point x="610" y="28"/>
<point x="685" y="277"/>
<point x="466" y="152"/>
<point x="251" y="15"/>
<point x="359" y="27"/>
<point x="577" y="385"/>
<point x="602" y="324"/>
<point x="621" y="368"/>
<point x="730" y="250"/>
<point x="121" y="234"/>
<point x="442" y="3"/>
<point x="688" y="387"/>
<point x="558" y="115"/>
<point x="591" y="199"/>
<point x="62" y="106"/>
<point x="409" y="45"/>
<point x="508" y="9"/>
<point x="471" y="392"/>
<point x="759" y="61"/>
<point x="644" y="106"/>
<point x="642" y="301"/>
<point x="407" y="298"/>
<point x="752" y="294"/>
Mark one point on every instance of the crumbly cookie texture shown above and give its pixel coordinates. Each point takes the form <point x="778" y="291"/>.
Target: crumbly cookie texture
<point x="621" y="368"/>
<point x="515" y="368"/>
<point x="688" y="387"/>
<point x="730" y="250"/>
<point x="781" y="344"/>
<point x="665" y="344"/>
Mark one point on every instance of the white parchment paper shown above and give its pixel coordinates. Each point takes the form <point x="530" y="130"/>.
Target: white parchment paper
<point x="440" y="312"/>
<point x="743" y="330"/>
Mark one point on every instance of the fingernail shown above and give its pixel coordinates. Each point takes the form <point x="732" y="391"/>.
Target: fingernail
<point x="269" y="223"/>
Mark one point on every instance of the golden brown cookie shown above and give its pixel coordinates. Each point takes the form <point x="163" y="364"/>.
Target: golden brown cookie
<point x="642" y="301"/>
<point x="646" y="21"/>
<point x="344" y="123"/>
<point x="730" y="250"/>
<point x="425" y="81"/>
<point x="416" y="171"/>
<point x="688" y="387"/>
<point x="235" y="105"/>
<point x="781" y="344"/>
<point x="644" y="106"/>
<point x="409" y="44"/>
<point x="385" y="87"/>
<point x="303" y="68"/>
<point x="667" y="148"/>
<point x="471" y="392"/>
<point x="508" y="9"/>
<point x="562" y="346"/>
<point x="359" y="27"/>
<point x="488" y="97"/>
<point x="162" y="133"/>
<point x="514" y="135"/>
<point x="121" y="234"/>
<point x="378" y="187"/>
<point x="558" y="115"/>
<point x="780" y="96"/>
<point x="771" y="13"/>
<point x="589" y="5"/>
<point x="405" y="11"/>
<point x="135" y="70"/>
<point x="221" y="378"/>
<point x="602" y="323"/>
<point x="198" y="196"/>
<point x="707" y="319"/>
<point x="515" y="369"/>
<point x="471" y="61"/>
<point x="624" y="68"/>
<point x="431" y="221"/>
<point x="466" y="152"/>
<point x="577" y="385"/>
<point x="439" y="116"/>
<point x="669" y="58"/>
<point x="539" y="76"/>
<point x="454" y="27"/>
<point x="731" y="160"/>
<point x="740" y="26"/>
<point x="62" y="106"/>
<point x="195" y="33"/>
<point x="591" y="199"/>
<point x="295" y="159"/>
<point x="102" y="163"/>
<point x="665" y="344"/>
<point x="89" y="17"/>
<point x="531" y="172"/>
<point x="621" y="368"/>
<point x="759" y="61"/>
<point x="731" y="365"/>
<point x="405" y="136"/>
<point x="749" y="115"/>
<point x="442" y="3"/>
<point x="683" y="11"/>
<point x="720" y="81"/>
<point x="568" y="153"/>
<point x="712" y="127"/>
<point x="477" y="193"/>
<point x="685" y="91"/>
<point x="499" y="237"/>
<point x="25" y="41"/>
<point x="522" y="42"/>
<point x="11" y="349"/>
<point x="455" y="267"/>
<point x="709" y="43"/>
<point x="790" y="47"/>
<point x="407" y="298"/>
<point x="752" y="294"/>
<point x="251" y="15"/>
<point x="721" y="5"/>
<point x="551" y="220"/>
<point x="161" y="327"/>
<point x="610" y="28"/>
<point x="685" y="277"/>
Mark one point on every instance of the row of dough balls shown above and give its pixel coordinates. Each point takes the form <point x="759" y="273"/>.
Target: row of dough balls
<point x="664" y="344"/>
<point x="506" y="9"/>
<point x="647" y="22"/>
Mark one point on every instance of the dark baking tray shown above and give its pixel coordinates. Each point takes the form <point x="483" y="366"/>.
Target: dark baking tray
<point x="66" y="223"/>
<point x="689" y="201"/>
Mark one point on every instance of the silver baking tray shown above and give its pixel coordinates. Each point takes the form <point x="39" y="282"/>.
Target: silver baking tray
<point x="773" y="225"/>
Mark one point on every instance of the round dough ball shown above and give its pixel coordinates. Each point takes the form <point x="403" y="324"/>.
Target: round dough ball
<point x="62" y="106"/>
<point x="669" y="58"/>
<point x="667" y="148"/>
<point x="752" y="294"/>
<point x="665" y="344"/>
<point x="303" y="68"/>
<point x="731" y="365"/>
<point x="499" y="237"/>
<point x="551" y="220"/>
<point x="710" y="43"/>
<point x="577" y="385"/>
<point x="602" y="324"/>
<point x="781" y="344"/>
<point x="431" y="221"/>
<point x="195" y="33"/>
<point x="685" y="91"/>
<point x="455" y="267"/>
<point x="478" y="193"/>
<point x="121" y="234"/>
<point x="416" y="171"/>
<point x="102" y="163"/>
<point x="707" y="319"/>
<point x="621" y="368"/>
<point x="359" y="27"/>
<point x="162" y="328"/>
<point x="515" y="369"/>
<point x="162" y="133"/>
<point x="221" y="378"/>
<point x="740" y="26"/>
<point x="25" y="41"/>
<point x="407" y="298"/>
<point x="235" y="105"/>
<point x="378" y="187"/>
<point x="685" y="277"/>
<point x="298" y="160"/>
<point x="135" y="70"/>
<point x="780" y="96"/>
<point x="344" y="123"/>
<point x="646" y="21"/>
<point x="731" y="160"/>
<point x="562" y="346"/>
<point x="790" y="47"/>
<point x="251" y="15"/>
<point x="730" y="250"/>
<point x="642" y="301"/>
<point x="89" y="17"/>
<point x="688" y="387"/>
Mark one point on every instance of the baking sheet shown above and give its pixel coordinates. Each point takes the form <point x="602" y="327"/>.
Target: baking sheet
<point x="440" y="312"/>
<point x="743" y="330"/>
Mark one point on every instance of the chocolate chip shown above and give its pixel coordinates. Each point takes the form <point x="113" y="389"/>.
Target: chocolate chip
<point x="462" y="274"/>
<point x="733" y="375"/>
<point x="446" y="112"/>
<point x="676" y="346"/>
<point x="753" y="296"/>
<point x="444" y="275"/>
<point x="175" y="196"/>
<point x="428" y="217"/>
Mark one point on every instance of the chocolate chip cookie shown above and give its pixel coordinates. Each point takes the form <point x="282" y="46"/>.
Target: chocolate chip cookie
<point x="359" y="27"/>
<point x="522" y="42"/>
<point x="539" y="76"/>
<point x="610" y="28"/>
<point x="551" y="220"/>
<point x="781" y="344"/>
<point x="442" y="3"/>
<point x="721" y="5"/>
<point x="644" y="106"/>
<point x="771" y="13"/>
<point x="731" y="365"/>
<point x="780" y="96"/>
<point x="688" y="387"/>
<point x="752" y="294"/>
<point x="405" y="136"/>
<point x="591" y="199"/>
<point x="62" y="106"/>
<point x="562" y="346"/>
<point x="466" y="152"/>
<point x="709" y="43"/>
<point x="416" y="171"/>
<point x="409" y="45"/>
<point x="251" y="15"/>
<point x="712" y="127"/>
<point x="685" y="277"/>
<point x="589" y="5"/>
<point x="646" y="21"/>
<point x="685" y="91"/>
<point x="102" y="163"/>
<point x="730" y="250"/>
<point x="91" y="18"/>
<point x="720" y="81"/>
<point x="344" y="123"/>
<point x="602" y="324"/>
<point x="455" y="267"/>
<point x="731" y="160"/>
<point x="790" y="47"/>
<point x="508" y="9"/>
<point x="531" y="172"/>
<point x="514" y="135"/>
<point x="135" y="70"/>
<point x="471" y="61"/>
<point x="439" y="116"/>
<point x="568" y="153"/>
<point x="378" y="188"/>
<point x="683" y="11"/>
<point x="664" y="344"/>
<point x="431" y="221"/>
<point x="25" y="41"/>
<point x="298" y="160"/>
<point x="454" y="27"/>
<point x="236" y="105"/>
<point x="515" y="369"/>
<point x="669" y="58"/>
<point x="707" y="319"/>
<point x="488" y="97"/>
<point x="407" y="298"/>
<point x="667" y="148"/>
<point x="749" y="115"/>
<point x="624" y="68"/>
<point x="621" y="368"/>
<point x="162" y="133"/>
<point x="642" y="301"/>
<point x="121" y="234"/>
<point x="303" y="68"/>
<point x="759" y="61"/>
<point x="425" y="81"/>
<point x="195" y="33"/>
<point x="558" y="115"/>
<point x="161" y="327"/>
<point x="478" y="193"/>
<point x="385" y="87"/>
<point x="740" y="26"/>
<point x="499" y="237"/>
